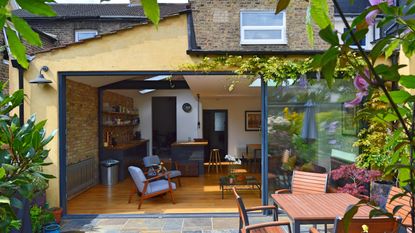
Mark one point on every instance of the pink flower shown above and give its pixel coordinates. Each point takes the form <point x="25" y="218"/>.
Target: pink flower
<point x="360" y="83"/>
<point x="362" y="87"/>
<point x="371" y="16"/>
<point x="356" y="101"/>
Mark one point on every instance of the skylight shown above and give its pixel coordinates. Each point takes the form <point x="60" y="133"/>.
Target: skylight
<point x="145" y="91"/>
<point x="157" y="78"/>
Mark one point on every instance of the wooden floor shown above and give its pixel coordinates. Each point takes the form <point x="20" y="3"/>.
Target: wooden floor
<point x="196" y="195"/>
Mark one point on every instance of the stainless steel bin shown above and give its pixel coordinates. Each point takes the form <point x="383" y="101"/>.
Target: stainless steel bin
<point x="109" y="172"/>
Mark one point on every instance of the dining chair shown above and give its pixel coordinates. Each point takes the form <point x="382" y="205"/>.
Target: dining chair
<point x="375" y="225"/>
<point x="151" y="187"/>
<point x="306" y="183"/>
<point x="267" y="227"/>
<point x="153" y="163"/>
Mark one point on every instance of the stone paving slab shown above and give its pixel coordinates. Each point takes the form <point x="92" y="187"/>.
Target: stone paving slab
<point x="156" y="225"/>
<point x="161" y="225"/>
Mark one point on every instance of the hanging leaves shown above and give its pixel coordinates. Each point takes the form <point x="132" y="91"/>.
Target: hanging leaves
<point x="151" y="10"/>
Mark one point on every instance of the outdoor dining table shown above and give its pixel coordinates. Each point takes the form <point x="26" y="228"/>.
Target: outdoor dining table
<point x="316" y="208"/>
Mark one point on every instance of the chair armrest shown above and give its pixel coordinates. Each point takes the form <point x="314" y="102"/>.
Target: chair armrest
<point x="280" y="191"/>
<point x="159" y="176"/>
<point x="255" y="208"/>
<point x="267" y="224"/>
<point x="313" y="230"/>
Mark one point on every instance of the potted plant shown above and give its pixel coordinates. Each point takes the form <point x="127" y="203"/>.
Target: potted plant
<point x="23" y="153"/>
<point x="40" y="217"/>
<point x="375" y="142"/>
<point x="57" y="213"/>
<point x="231" y="178"/>
<point x="354" y="180"/>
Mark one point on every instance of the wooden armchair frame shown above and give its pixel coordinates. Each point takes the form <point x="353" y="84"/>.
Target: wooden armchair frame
<point x="244" y="225"/>
<point x="144" y="196"/>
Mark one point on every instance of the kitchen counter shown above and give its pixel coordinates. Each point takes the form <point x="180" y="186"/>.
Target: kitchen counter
<point x="128" y="145"/>
<point x="190" y="153"/>
<point x="192" y="143"/>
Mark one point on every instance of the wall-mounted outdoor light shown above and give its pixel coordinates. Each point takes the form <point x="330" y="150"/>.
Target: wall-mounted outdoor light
<point x="40" y="79"/>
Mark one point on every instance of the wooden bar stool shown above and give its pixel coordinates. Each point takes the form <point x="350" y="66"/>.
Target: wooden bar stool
<point x="214" y="160"/>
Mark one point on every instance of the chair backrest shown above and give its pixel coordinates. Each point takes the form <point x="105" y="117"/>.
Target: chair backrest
<point x="138" y="177"/>
<point x="404" y="201"/>
<point x="151" y="160"/>
<point x="241" y="208"/>
<point x="375" y="225"/>
<point x="308" y="182"/>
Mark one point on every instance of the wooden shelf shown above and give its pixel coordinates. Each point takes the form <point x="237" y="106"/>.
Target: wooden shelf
<point x="120" y="113"/>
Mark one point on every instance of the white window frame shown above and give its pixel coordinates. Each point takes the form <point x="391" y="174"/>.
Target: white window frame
<point x="283" y="29"/>
<point x="77" y="32"/>
<point x="372" y="35"/>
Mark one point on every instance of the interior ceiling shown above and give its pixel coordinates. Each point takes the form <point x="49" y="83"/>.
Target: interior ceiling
<point x="99" y="81"/>
<point x="204" y="85"/>
<point x="218" y="85"/>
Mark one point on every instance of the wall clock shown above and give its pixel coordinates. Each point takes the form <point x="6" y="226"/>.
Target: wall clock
<point x="187" y="107"/>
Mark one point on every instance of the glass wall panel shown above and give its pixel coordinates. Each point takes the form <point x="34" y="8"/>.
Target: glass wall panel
<point x="309" y="129"/>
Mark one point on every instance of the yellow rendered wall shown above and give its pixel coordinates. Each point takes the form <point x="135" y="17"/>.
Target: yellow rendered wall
<point x="139" y="48"/>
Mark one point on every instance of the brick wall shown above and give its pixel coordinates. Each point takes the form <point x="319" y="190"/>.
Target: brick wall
<point x="82" y="122"/>
<point x="122" y="134"/>
<point x="65" y="30"/>
<point x="217" y="24"/>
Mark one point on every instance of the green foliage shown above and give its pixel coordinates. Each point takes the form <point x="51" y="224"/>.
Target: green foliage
<point x="275" y="69"/>
<point x="374" y="140"/>
<point x="39" y="217"/>
<point x="392" y="125"/>
<point x="22" y="158"/>
<point x="151" y="10"/>
<point x="18" y="29"/>
<point x="281" y="5"/>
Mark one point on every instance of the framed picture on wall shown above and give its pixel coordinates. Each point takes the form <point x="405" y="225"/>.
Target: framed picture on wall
<point x="349" y="125"/>
<point x="252" y="120"/>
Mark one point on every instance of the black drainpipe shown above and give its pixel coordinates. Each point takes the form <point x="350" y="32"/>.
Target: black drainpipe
<point x="16" y="65"/>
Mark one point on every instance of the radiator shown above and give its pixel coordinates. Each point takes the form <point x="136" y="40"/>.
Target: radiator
<point x="80" y="177"/>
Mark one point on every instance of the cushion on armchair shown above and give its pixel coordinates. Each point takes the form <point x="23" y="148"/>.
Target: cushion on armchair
<point x="175" y="173"/>
<point x="159" y="185"/>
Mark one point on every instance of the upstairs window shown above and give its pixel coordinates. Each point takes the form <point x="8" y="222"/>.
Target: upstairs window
<point x="85" y="34"/>
<point x="263" y="27"/>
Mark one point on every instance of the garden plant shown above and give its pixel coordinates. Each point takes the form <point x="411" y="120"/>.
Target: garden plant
<point x="23" y="155"/>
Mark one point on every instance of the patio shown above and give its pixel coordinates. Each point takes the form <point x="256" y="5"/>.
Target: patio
<point x="170" y="224"/>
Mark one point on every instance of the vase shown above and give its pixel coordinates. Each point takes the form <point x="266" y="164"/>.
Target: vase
<point x="57" y="213"/>
<point x="52" y="228"/>
<point x="240" y="178"/>
<point x="231" y="180"/>
<point x="379" y="192"/>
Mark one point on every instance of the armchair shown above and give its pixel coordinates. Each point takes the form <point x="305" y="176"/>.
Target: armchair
<point x="153" y="162"/>
<point x="150" y="187"/>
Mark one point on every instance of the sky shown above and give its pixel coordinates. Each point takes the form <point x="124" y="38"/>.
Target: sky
<point x="117" y="1"/>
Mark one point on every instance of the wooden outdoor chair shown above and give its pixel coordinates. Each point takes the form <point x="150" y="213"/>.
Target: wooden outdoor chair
<point x="405" y="211"/>
<point x="306" y="183"/>
<point x="151" y="187"/>
<point x="268" y="227"/>
<point x="376" y="225"/>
